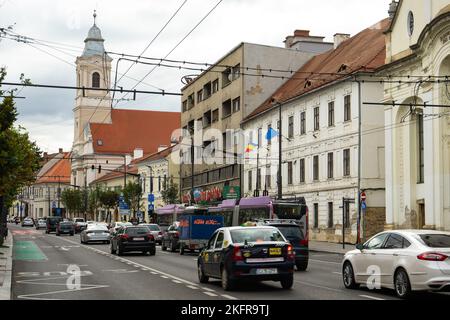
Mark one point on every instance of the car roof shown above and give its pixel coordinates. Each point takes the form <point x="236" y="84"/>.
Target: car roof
<point x="247" y="228"/>
<point x="419" y="232"/>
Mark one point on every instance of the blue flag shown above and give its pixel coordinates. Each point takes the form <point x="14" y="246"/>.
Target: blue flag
<point x="271" y="134"/>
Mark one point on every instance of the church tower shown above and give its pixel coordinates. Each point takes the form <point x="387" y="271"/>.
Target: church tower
<point x="93" y="71"/>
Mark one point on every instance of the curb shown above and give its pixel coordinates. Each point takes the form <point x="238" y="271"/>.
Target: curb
<point x="5" y="289"/>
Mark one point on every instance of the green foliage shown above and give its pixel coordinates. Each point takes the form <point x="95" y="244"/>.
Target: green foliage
<point x="132" y="195"/>
<point x="108" y="199"/>
<point x="19" y="157"/>
<point x="73" y="200"/>
<point x="170" y="193"/>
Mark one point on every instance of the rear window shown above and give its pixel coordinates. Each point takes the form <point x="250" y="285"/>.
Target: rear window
<point x="136" y="231"/>
<point x="79" y="220"/>
<point x="256" y="235"/>
<point x="153" y="227"/>
<point x="436" y="240"/>
<point x="291" y="232"/>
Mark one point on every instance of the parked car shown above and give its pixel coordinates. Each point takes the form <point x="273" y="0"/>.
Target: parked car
<point x="52" y="222"/>
<point x="117" y="225"/>
<point x="171" y="237"/>
<point x="155" y="230"/>
<point x="27" y="222"/>
<point x="95" y="233"/>
<point x="406" y="261"/>
<point x="80" y="224"/>
<point x="255" y="253"/>
<point x="294" y="233"/>
<point x="133" y="238"/>
<point x="65" y="227"/>
<point x="41" y="223"/>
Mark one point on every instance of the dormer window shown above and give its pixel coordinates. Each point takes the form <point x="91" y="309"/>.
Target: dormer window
<point x="95" y="80"/>
<point x="342" y="68"/>
<point x="308" y="84"/>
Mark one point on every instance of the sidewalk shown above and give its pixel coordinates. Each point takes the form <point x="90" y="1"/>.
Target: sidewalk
<point x="330" y="247"/>
<point x="6" y="252"/>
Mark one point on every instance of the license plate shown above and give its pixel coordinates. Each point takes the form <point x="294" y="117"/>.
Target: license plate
<point x="139" y="239"/>
<point x="266" y="271"/>
<point x="275" y="251"/>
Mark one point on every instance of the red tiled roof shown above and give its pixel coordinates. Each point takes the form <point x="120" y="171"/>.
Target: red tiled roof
<point x="366" y="52"/>
<point x="131" y="129"/>
<point x="118" y="174"/>
<point x="60" y="172"/>
<point x="159" y="155"/>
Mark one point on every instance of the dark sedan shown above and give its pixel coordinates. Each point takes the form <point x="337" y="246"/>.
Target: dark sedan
<point x="65" y="227"/>
<point x="171" y="237"/>
<point x="133" y="238"/>
<point x="253" y="253"/>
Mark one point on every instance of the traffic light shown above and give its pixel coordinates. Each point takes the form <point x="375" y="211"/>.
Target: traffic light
<point x="93" y="167"/>
<point x="99" y="169"/>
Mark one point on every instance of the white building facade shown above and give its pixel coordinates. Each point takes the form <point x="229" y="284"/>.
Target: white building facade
<point x="418" y="143"/>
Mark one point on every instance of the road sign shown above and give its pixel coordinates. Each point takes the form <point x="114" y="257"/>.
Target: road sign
<point x="363" y="196"/>
<point x="363" y="205"/>
<point x="54" y="204"/>
<point x="231" y="192"/>
<point x="151" y="207"/>
<point x="151" y="197"/>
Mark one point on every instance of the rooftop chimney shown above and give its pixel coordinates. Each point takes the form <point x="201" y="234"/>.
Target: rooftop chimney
<point x="60" y="150"/>
<point x="138" y="153"/>
<point x="392" y="9"/>
<point x="301" y="40"/>
<point x="339" y="38"/>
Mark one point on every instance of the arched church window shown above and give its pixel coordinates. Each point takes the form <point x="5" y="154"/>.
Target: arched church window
<point x="95" y="80"/>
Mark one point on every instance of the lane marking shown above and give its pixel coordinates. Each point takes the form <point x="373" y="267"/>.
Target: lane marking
<point x="370" y="297"/>
<point x="208" y="289"/>
<point x="31" y="296"/>
<point x="164" y="277"/>
<point x="318" y="286"/>
<point x="337" y="273"/>
<point x="193" y="288"/>
<point x="229" y="297"/>
<point x="210" y="294"/>
<point x="176" y="281"/>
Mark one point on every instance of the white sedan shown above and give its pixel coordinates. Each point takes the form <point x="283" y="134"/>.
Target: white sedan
<point x="406" y="261"/>
<point x="95" y="233"/>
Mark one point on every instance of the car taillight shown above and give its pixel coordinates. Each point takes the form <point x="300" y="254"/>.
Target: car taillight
<point x="432" y="256"/>
<point x="304" y="242"/>
<point x="160" y="233"/>
<point x="176" y="234"/>
<point x="150" y="237"/>
<point x="124" y="237"/>
<point x="290" y="252"/>
<point x="237" y="254"/>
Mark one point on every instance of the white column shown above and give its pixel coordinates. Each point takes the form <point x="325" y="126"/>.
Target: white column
<point x="389" y="175"/>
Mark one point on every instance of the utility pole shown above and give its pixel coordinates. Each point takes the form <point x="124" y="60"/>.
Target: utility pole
<point x="49" y="204"/>
<point x="280" y="139"/>
<point x="358" y="228"/>
<point x="192" y="167"/>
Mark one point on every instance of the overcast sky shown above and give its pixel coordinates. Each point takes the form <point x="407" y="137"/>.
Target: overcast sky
<point x="129" y="26"/>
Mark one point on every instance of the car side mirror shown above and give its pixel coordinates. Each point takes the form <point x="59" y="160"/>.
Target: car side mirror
<point x="360" y="246"/>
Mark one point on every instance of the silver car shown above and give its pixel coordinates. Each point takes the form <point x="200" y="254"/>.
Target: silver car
<point x="155" y="230"/>
<point x="27" y="222"/>
<point x="41" y="223"/>
<point x="95" y="233"/>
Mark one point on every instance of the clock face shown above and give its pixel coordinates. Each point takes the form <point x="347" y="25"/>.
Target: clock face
<point x="410" y="23"/>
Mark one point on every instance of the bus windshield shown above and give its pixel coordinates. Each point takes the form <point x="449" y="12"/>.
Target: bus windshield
<point x="288" y="211"/>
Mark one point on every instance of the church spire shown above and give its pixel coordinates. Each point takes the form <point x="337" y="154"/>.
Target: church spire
<point x="95" y="16"/>
<point x="94" y="41"/>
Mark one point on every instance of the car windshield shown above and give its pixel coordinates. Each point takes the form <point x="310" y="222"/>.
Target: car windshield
<point x="65" y="224"/>
<point x="291" y="232"/>
<point x="256" y="235"/>
<point x="435" y="240"/>
<point x="136" y="231"/>
<point x="152" y="227"/>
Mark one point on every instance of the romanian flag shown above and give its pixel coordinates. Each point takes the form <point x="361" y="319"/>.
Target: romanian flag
<point x="251" y="147"/>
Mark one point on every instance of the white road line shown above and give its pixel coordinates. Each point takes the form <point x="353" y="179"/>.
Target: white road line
<point x="193" y="288"/>
<point x="370" y="297"/>
<point x="318" y="286"/>
<point x="339" y="273"/>
<point x="210" y="294"/>
<point x="208" y="289"/>
<point x="164" y="277"/>
<point x="30" y="296"/>
<point x="176" y="281"/>
<point x="148" y="268"/>
<point x="229" y="297"/>
<point x="153" y="272"/>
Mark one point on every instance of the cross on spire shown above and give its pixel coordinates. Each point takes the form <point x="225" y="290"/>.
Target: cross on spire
<point x="95" y="16"/>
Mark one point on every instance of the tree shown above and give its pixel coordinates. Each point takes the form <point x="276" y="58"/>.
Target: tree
<point x="109" y="199"/>
<point x="132" y="195"/>
<point x="73" y="201"/>
<point x="170" y="193"/>
<point x="94" y="200"/>
<point x="19" y="157"/>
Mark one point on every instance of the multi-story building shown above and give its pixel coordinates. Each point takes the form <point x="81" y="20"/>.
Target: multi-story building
<point x="103" y="135"/>
<point x="417" y="135"/>
<point x="219" y="98"/>
<point x="157" y="171"/>
<point x="43" y="197"/>
<point x="322" y="116"/>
